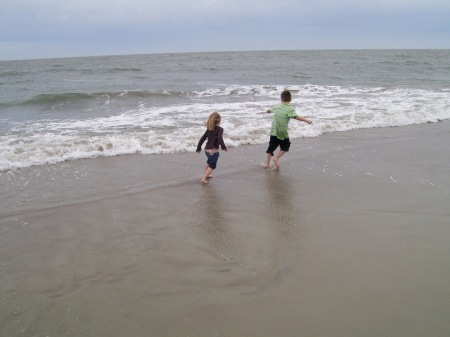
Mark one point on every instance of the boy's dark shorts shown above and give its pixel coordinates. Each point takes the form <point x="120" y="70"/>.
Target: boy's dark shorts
<point x="212" y="159"/>
<point x="274" y="142"/>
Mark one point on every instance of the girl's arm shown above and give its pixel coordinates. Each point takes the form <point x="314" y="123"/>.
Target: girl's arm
<point x="201" y="141"/>
<point x="221" y="142"/>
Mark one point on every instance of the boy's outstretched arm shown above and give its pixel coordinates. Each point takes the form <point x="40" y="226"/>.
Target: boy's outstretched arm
<point x="303" y="119"/>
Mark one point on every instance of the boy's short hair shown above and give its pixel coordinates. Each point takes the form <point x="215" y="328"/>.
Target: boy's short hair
<point x="286" y="96"/>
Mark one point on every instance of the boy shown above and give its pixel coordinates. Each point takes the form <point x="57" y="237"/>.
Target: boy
<point x="282" y="114"/>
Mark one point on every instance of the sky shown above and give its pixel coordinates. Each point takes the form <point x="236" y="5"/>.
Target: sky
<point x="32" y="29"/>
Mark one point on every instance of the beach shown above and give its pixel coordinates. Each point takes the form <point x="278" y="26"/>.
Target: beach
<point x="350" y="238"/>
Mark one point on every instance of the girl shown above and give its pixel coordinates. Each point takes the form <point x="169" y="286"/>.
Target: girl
<point x="214" y="134"/>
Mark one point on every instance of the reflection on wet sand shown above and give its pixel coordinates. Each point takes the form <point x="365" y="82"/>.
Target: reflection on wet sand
<point x="283" y="210"/>
<point x="214" y="224"/>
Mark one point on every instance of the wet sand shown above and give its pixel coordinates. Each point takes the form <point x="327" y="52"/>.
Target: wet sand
<point x="350" y="238"/>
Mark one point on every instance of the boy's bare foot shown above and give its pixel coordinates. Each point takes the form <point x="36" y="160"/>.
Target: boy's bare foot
<point x="275" y="160"/>
<point x="204" y="181"/>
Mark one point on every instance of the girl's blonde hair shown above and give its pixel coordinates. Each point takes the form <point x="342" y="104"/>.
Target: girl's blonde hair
<point x="213" y="121"/>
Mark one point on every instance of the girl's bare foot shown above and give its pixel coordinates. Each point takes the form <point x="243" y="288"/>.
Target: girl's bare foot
<point x="275" y="160"/>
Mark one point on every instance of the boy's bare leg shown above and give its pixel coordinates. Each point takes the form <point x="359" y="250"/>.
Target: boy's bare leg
<point x="206" y="175"/>
<point x="267" y="166"/>
<point x="277" y="157"/>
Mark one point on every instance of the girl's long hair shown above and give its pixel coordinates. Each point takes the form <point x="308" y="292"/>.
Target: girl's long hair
<point x="213" y="121"/>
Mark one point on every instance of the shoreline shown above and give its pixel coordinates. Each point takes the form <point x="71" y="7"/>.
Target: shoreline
<point x="68" y="174"/>
<point x="349" y="238"/>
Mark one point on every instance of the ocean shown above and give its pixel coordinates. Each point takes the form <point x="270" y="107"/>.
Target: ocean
<point x="106" y="229"/>
<point x="55" y="110"/>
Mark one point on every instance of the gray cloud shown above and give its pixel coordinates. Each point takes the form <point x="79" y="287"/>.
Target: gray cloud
<point x="42" y="28"/>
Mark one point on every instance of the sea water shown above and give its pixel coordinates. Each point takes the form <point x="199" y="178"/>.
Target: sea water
<point x="54" y="110"/>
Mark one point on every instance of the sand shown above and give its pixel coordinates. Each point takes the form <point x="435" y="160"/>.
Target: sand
<point x="350" y="238"/>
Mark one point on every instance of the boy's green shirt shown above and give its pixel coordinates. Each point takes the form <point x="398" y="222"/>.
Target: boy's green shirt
<point x="282" y="113"/>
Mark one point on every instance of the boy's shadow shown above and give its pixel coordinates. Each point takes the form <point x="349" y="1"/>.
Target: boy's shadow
<point x="214" y="224"/>
<point x="283" y="210"/>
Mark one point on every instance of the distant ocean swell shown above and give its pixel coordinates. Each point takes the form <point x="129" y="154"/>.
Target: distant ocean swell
<point x="176" y="125"/>
<point x="48" y="99"/>
<point x="52" y="100"/>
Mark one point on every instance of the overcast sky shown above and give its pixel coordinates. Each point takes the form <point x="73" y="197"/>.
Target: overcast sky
<point x="63" y="28"/>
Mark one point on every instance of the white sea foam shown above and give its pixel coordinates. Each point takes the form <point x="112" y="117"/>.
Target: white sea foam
<point x="177" y="128"/>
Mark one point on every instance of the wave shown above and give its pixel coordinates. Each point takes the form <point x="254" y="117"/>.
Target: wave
<point x="59" y="68"/>
<point x="63" y="97"/>
<point x="219" y="91"/>
<point x="53" y="149"/>
<point x="173" y="128"/>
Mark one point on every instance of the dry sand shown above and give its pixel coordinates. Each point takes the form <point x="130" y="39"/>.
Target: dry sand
<point x="350" y="238"/>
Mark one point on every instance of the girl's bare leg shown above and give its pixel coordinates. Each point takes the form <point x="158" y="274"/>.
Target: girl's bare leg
<point x="206" y="175"/>
<point x="206" y="169"/>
